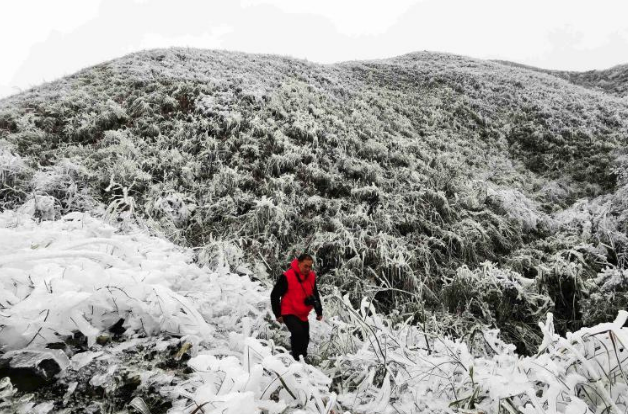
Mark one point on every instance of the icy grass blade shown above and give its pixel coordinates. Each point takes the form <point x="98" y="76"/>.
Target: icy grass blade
<point x="139" y="404"/>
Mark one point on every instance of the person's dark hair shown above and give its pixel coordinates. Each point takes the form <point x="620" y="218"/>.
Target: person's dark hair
<point x="304" y="256"/>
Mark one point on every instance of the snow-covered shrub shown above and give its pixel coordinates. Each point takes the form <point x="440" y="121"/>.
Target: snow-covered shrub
<point x="498" y="298"/>
<point x="399" y="367"/>
<point x="246" y="382"/>
<point x="14" y="173"/>
<point x="600" y="222"/>
<point x="88" y="126"/>
<point x="363" y="171"/>
<point x="30" y="141"/>
<point x="140" y="106"/>
<point x="169" y="213"/>
<point x="225" y="181"/>
<point x="41" y="207"/>
<point x="174" y="207"/>
<point x="438" y="202"/>
<point x="223" y="255"/>
<point x="621" y="169"/>
<point x="373" y="150"/>
<point x="519" y="208"/>
<point x="607" y="294"/>
<point x="369" y="194"/>
<point x="11" y="166"/>
<point x="555" y="193"/>
<point x="267" y="217"/>
<point x="119" y="158"/>
<point x="67" y="181"/>
<point x="565" y="281"/>
<point x="576" y="219"/>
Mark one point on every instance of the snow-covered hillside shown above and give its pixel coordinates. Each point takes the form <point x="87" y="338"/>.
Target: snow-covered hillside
<point x="465" y="216"/>
<point x="613" y="81"/>
<point x="128" y="322"/>
<point x="396" y="174"/>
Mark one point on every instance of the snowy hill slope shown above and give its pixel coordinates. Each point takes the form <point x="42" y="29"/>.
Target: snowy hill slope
<point x="448" y="189"/>
<point x="198" y="337"/>
<point x="613" y="81"/>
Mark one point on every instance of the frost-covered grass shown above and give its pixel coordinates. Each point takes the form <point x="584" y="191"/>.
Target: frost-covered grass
<point x="80" y="273"/>
<point x="613" y="80"/>
<point x="395" y="173"/>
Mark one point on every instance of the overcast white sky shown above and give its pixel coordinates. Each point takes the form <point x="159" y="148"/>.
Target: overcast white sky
<point x="42" y="40"/>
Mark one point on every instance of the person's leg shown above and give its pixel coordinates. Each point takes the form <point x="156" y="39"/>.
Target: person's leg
<point x="297" y="335"/>
<point x="306" y="337"/>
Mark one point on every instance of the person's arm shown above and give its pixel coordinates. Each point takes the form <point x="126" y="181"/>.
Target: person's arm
<point x="319" y="305"/>
<point x="280" y="289"/>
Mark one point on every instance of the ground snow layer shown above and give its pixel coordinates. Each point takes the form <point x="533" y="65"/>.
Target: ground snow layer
<point x="77" y="273"/>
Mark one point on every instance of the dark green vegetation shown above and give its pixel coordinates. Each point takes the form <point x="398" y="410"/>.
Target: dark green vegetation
<point x="458" y="192"/>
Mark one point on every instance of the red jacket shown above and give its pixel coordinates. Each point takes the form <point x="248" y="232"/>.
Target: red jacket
<point x="292" y="302"/>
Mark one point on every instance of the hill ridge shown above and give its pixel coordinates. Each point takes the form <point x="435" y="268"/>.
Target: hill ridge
<point x="613" y="80"/>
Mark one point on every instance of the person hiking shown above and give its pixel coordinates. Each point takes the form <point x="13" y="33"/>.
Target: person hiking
<point x="293" y="297"/>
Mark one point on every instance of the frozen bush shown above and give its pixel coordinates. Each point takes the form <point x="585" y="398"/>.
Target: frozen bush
<point x="119" y="158"/>
<point x="68" y="182"/>
<point x="400" y="367"/>
<point x="518" y="207"/>
<point x="174" y="207"/>
<point x="498" y="298"/>
<point x="607" y="295"/>
<point x="41" y="207"/>
<point x="14" y="174"/>
<point x="11" y="166"/>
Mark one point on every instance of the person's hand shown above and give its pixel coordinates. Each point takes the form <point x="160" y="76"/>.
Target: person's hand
<point x="319" y="317"/>
<point x="280" y="319"/>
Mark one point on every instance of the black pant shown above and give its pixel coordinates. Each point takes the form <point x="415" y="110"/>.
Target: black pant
<point x="299" y="335"/>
